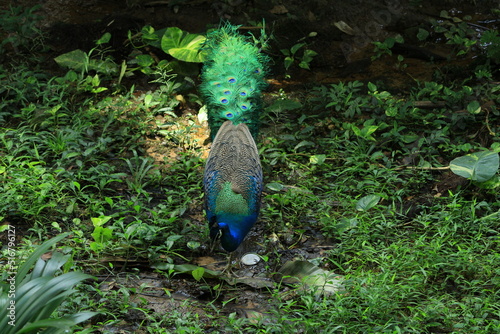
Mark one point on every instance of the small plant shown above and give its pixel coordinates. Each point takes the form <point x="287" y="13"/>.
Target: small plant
<point x="490" y="41"/>
<point x="387" y="102"/>
<point x="292" y="56"/>
<point x="82" y="62"/>
<point x="456" y="31"/>
<point x="383" y="48"/>
<point x="28" y="300"/>
<point x="102" y="235"/>
<point x="140" y="169"/>
<point x="341" y="97"/>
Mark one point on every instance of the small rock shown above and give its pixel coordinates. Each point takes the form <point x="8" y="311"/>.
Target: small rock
<point x="250" y="259"/>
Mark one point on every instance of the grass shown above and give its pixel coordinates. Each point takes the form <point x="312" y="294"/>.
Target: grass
<point x="360" y="166"/>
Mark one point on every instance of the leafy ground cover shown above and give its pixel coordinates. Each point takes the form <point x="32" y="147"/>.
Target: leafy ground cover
<point x="395" y="192"/>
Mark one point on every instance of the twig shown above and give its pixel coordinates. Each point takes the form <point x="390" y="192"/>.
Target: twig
<point x="422" y="168"/>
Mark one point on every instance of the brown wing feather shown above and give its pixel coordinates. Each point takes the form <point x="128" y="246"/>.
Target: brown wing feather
<point x="235" y="158"/>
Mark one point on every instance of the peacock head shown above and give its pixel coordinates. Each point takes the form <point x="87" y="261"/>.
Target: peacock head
<point x="229" y="238"/>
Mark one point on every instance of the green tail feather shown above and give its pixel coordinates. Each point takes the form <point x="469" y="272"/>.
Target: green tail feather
<point x="232" y="79"/>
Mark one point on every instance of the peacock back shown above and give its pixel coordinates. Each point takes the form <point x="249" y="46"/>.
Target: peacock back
<point x="232" y="184"/>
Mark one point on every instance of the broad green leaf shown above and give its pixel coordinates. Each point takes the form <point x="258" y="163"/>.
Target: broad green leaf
<point x="80" y="61"/>
<point x="144" y="60"/>
<point x="39" y="294"/>
<point x="285" y="52"/>
<point x="39" y="251"/>
<point x="345" y="224"/>
<point x="96" y="81"/>
<point x="474" y="107"/>
<point x="372" y="87"/>
<point x="76" y="60"/>
<point x="193" y="245"/>
<point x="147" y="100"/>
<point x="309" y="54"/>
<point x="312" y="277"/>
<point x="275" y="186"/>
<point x="304" y="65"/>
<point x="96" y="246"/>
<point x="391" y="111"/>
<point x="367" y="202"/>
<point x="64" y="324"/>
<point x="368" y="130"/>
<point x="365" y="132"/>
<point x="422" y="34"/>
<point x="288" y="62"/>
<point x="100" y="221"/>
<point x="48" y="268"/>
<point x="182" y="45"/>
<point x="191" y="269"/>
<point x="38" y="298"/>
<point x="296" y="47"/>
<point x="317" y="159"/>
<point x="104" y="39"/>
<point x="302" y="144"/>
<point x="198" y="273"/>
<point x="478" y="166"/>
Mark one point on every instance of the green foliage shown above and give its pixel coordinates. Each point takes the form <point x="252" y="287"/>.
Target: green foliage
<point x="28" y="300"/>
<point x="102" y="235"/>
<point x="173" y="41"/>
<point x="460" y="33"/>
<point x="291" y="56"/>
<point x="456" y="31"/>
<point x="77" y="60"/>
<point x="490" y="40"/>
<point x="366" y="131"/>
<point x="392" y="106"/>
<point x="367" y="202"/>
<point x="382" y="48"/>
<point x="82" y="62"/>
<point x="341" y="97"/>
<point x="19" y="25"/>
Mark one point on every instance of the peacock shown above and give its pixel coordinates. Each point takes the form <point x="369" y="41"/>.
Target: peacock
<point x="232" y="82"/>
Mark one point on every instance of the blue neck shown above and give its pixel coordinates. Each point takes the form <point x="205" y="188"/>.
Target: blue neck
<point x="232" y="229"/>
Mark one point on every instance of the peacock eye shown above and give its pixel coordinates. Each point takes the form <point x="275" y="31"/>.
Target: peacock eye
<point x="227" y="92"/>
<point x="231" y="80"/>
<point x="224" y="101"/>
<point x="229" y="115"/>
<point x="244" y="107"/>
<point x="243" y="93"/>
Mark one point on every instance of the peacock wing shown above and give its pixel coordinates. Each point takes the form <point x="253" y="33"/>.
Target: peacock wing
<point x="233" y="173"/>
